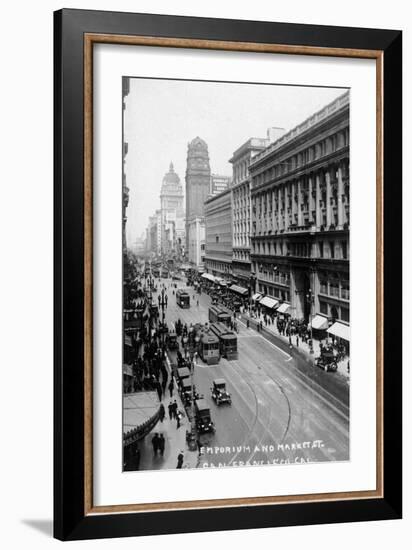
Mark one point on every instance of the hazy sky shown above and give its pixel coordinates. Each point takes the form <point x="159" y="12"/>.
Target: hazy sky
<point x="163" y="116"/>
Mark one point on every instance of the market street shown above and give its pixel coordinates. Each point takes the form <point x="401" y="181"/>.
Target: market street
<point x="276" y="415"/>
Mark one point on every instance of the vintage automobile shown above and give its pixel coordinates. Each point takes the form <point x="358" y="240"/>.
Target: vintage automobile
<point x="182" y="373"/>
<point x="219" y="392"/>
<point x="186" y="392"/>
<point x="204" y="422"/>
<point x="172" y="342"/>
<point x="327" y="360"/>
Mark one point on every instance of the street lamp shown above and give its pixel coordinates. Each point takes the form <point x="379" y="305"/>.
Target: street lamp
<point x="310" y="299"/>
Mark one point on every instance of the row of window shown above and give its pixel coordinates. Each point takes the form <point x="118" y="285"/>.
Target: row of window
<point x="333" y="311"/>
<point x="241" y="255"/>
<point x="325" y="147"/>
<point x="333" y="249"/>
<point x="334" y="288"/>
<point x="279" y="294"/>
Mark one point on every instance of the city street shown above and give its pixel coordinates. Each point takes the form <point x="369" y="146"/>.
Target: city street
<point x="276" y="415"/>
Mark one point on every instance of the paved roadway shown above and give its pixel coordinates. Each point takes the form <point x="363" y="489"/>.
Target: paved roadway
<point x="276" y="415"/>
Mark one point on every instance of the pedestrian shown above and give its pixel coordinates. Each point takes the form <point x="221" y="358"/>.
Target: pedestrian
<point x="170" y="408"/>
<point x="159" y="389"/>
<point x="178" y="413"/>
<point x="155" y="443"/>
<point x="197" y="303"/>
<point x="162" y="412"/>
<point x="261" y="325"/>
<point x="164" y="381"/>
<point x="161" y="444"/>
<point x="180" y="458"/>
<point x="174" y="408"/>
<point x="171" y="387"/>
<point x="247" y="323"/>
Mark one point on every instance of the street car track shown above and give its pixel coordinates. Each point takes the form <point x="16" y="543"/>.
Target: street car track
<point x="311" y="385"/>
<point x="265" y="423"/>
<point x="255" y="420"/>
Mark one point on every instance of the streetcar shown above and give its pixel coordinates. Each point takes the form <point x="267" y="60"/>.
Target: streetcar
<point x="182" y="299"/>
<point x="219" y="314"/>
<point x="209" y="348"/>
<point x="227" y="340"/>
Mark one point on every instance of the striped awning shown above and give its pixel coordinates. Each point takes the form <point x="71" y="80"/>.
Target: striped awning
<point x="267" y="301"/>
<point x="256" y="296"/>
<point x="283" y="308"/>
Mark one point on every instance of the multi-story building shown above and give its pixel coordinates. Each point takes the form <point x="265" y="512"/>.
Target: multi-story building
<point x="219" y="183"/>
<point x="242" y="209"/>
<point x="172" y="212"/>
<point x="125" y="202"/>
<point x="300" y="216"/>
<point x="196" y="238"/>
<point x="197" y="191"/>
<point x="151" y="235"/>
<point x="218" y="223"/>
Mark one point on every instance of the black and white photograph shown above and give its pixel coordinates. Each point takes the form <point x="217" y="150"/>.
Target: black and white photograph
<point x="235" y="274"/>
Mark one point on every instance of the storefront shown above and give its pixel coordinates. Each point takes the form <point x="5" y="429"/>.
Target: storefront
<point x="284" y="310"/>
<point x="340" y="333"/>
<point x="269" y="304"/>
<point x="320" y="325"/>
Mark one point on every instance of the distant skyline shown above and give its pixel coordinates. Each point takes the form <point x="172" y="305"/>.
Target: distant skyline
<point x="162" y="116"/>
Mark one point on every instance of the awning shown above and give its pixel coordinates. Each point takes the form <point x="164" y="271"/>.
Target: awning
<point x="269" y="302"/>
<point x="239" y="290"/>
<point x="127" y="370"/>
<point x="208" y="277"/>
<point x="319" y="322"/>
<point x="283" y="308"/>
<point x="128" y="341"/>
<point x="340" y="330"/>
<point x="256" y="297"/>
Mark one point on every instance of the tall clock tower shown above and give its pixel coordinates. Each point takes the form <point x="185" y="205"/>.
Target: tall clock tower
<point x="197" y="187"/>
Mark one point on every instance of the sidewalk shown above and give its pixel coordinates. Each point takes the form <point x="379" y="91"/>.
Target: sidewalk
<point x="303" y="346"/>
<point x="175" y="440"/>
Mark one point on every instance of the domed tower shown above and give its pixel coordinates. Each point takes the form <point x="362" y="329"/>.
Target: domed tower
<point x="172" y="212"/>
<point x="171" y="194"/>
<point x="197" y="181"/>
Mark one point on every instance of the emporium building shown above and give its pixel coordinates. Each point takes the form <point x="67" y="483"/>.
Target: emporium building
<point x="300" y="218"/>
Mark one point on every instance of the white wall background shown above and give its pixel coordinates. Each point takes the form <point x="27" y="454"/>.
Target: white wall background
<point x="26" y="272"/>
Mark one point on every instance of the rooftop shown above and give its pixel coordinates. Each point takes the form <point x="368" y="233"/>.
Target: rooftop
<point x="310" y="122"/>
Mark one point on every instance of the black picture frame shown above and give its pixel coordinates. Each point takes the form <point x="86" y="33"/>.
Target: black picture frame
<point x="70" y="520"/>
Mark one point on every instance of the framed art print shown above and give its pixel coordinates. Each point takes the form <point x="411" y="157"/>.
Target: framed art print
<point x="227" y="274"/>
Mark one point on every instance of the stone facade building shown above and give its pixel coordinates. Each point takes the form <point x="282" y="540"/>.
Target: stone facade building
<point x="196" y="237"/>
<point x="172" y="213"/>
<point x="300" y="216"/>
<point x="218" y="240"/>
<point x="242" y="208"/>
<point x="197" y="190"/>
